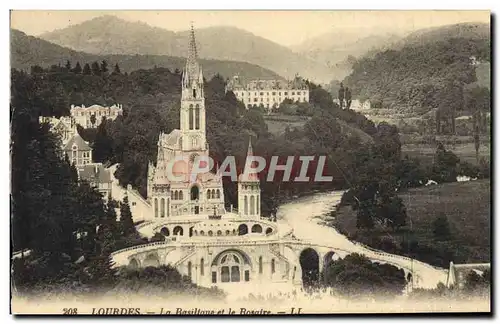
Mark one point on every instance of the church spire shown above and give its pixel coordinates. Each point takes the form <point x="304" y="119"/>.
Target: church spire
<point x="192" y="67"/>
<point x="250" y="175"/>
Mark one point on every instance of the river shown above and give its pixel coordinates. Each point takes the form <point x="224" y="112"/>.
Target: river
<point x="304" y="216"/>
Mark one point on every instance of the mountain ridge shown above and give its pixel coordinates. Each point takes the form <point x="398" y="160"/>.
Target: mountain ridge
<point x="27" y="51"/>
<point x="112" y="35"/>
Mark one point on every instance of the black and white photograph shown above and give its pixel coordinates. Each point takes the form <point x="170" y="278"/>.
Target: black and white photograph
<point x="242" y="163"/>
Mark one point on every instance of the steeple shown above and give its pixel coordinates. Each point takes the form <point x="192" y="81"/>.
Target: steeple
<point x="193" y="102"/>
<point x="193" y="69"/>
<point x="249" y="188"/>
<point x="247" y="175"/>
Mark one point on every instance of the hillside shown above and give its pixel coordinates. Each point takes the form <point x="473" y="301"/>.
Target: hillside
<point x="467" y="208"/>
<point x="111" y="35"/>
<point x="337" y="49"/>
<point x="413" y="76"/>
<point x="27" y="51"/>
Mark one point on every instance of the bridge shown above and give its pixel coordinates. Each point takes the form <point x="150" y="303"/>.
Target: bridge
<point x="295" y="255"/>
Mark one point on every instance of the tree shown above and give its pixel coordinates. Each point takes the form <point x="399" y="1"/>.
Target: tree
<point x="93" y="119"/>
<point x="86" y="69"/>
<point x="96" y="70"/>
<point x="117" y="69"/>
<point x="104" y="66"/>
<point x="68" y="66"/>
<point x="78" y="68"/>
<point x="126" y="221"/>
<point x="102" y="147"/>
<point x="441" y="228"/>
<point x="356" y="276"/>
<point x="445" y="166"/>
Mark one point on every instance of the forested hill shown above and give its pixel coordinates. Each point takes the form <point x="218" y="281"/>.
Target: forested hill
<point x="27" y="51"/>
<point x="414" y="74"/>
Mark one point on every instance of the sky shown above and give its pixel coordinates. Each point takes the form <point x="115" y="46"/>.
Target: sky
<point x="283" y="27"/>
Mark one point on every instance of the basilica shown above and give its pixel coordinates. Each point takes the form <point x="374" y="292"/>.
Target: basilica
<point x="203" y="240"/>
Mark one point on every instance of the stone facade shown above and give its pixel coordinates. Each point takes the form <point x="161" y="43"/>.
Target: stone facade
<point x="268" y="93"/>
<point x="91" y="117"/>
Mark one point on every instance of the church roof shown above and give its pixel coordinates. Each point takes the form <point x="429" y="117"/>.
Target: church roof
<point x="173" y="138"/>
<point x="79" y="142"/>
<point x="248" y="175"/>
<point x="457" y="274"/>
<point x="95" y="173"/>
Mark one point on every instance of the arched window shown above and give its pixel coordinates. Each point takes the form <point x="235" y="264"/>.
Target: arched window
<point x="256" y="228"/>
<point x="252" y="205"/>
<point x="195" y="193"/>
<point x="162" y="207"/>
<point x="210" y="233"/>
<point x="202" y="267"/>
<point x="194" y="93"/>
<point x="273" y="266"/>
<point x="213" y="193"/>
<point x="260" y="265"/>
<point x="242" y="229"/>
<point x="230" y="267"/>
<point x="156" y="207"/>
<point x="165" y="231"/>
<point x="202" y="233"/>
<point x="257" y="205"/>
<point x="269" y="230"/>
<point x="228" y="232"/>
<point x="208" y="194"/>
<point x="218" y="193"/>
<point x="168" y="207"/>
<point x="219" y="233"/>
<point x="181" y="195"/>
<point x="178" y="231"/>
<point x="176" y="195"/>
<point x="246" y="205"/>
<point x="197" y="117"/>
<point x="191" y="113"/>
<point x="190" y="265"/>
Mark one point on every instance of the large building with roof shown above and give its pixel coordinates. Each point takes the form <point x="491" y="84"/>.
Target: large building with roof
<point x="268" y="94"/>
<point x="92" y="116"/>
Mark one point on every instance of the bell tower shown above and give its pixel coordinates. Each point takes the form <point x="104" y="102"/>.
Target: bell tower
<point x="193" y="123"/>
<point x="249" y="189"/>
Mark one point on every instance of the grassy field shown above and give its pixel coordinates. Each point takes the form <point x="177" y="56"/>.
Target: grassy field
<point x="277" y="124"/>
<point x="466" y="152"/>
<point x="465" y="204"/>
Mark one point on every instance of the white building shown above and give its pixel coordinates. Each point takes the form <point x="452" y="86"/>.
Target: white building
<point x="356" y="104"/>
<point x="268" y="93"/>
<point x="64" y="127"/>
<point x="91" y="117"/>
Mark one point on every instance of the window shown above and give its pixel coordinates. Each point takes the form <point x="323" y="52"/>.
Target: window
<point x="274" y="93"/>
<point x="286" y="93"/>
<point x="156" y="207"/>
<point x="210" y="233"/>
<point x="190" y="266"/>
<point x="133" y="203"/>
<point x="273" y="266"/>
<point x="214" y="277"/>
<point x="202" y="267"/>
<point x="197" y="117"/>
<point x="247" y="275"/>
<point x="224" y="274"/>
<point x="191" y="116"/>
<point x="262" y="93"/>
<point x="293" y="93"/>
<point x="162" y="207"/>
<point x="219" y="233"/>
<point x="255" y="99"/>
<point x="260" y="265"/>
